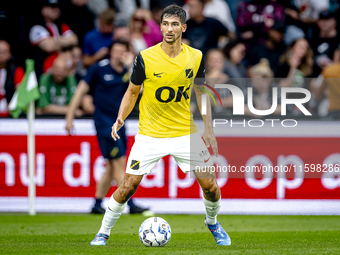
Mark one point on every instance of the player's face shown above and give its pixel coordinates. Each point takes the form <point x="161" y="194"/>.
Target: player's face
<point x="172" y="29"/>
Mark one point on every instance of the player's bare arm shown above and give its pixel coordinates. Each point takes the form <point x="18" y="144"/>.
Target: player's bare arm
<point x="82" y="89"/>
<point x="208" y="134"/>
<point x="128" y="102"/>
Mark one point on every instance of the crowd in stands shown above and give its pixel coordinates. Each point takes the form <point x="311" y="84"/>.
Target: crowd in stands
<point x="278" y="43"/>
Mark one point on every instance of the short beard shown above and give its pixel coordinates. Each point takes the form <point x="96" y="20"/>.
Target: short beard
<point x="172" y="41"/>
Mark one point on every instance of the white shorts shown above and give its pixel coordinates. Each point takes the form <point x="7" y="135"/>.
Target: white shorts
<point x="190" y="153"/>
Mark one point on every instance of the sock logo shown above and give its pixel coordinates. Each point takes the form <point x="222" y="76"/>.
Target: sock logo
<point x="134" y="164"/>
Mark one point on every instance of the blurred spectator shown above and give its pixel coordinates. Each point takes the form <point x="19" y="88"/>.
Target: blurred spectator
<point x="261" y="70"/>
<point x="51" y="34"/>
<point x="65" y="52"/>
<point x="74" y="63"/>
<point x="233" y="5"/>
<point x="76" y="14"/>
<point x="97" y="42"/>
<point x="56" y="89"/>
<point x="79" y="72"/>
<point x="309" y="10"/>
<point x="10" y="77"/>
<point x="295" y="28"/>
<point x="326" y="42"/>
<point x="126" y="8"/>
<point x="217" y="9"/>
<point x="331" y="88"/>
<point x="164" y="3"/>
<point x="97" y="6"/>
<point x="272" y="49"/>
<point x="235" y="53"/>
<point x="202" y="33"/>
<point x="334" y="5"/>
<point x="157" y="6"/>
<point x="296" y="64"/>
<point x="156" y="13"/>
<point x="77" y="69"/>
<point x="256" y="18"/>
<point x="261" y="78"/>
<point x="122" y="33"/>
<point x="144" y="30"/>
<point x="214" y="60"/>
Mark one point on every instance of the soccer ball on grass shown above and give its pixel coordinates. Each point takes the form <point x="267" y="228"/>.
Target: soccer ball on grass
<point x="154" y="232"/>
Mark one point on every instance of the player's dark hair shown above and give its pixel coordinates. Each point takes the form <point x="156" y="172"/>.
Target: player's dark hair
<point x="120" y="41"/>
<point x="174" y="10"/>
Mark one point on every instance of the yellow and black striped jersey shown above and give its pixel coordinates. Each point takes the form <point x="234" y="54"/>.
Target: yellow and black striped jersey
<point x="167" y="84"/>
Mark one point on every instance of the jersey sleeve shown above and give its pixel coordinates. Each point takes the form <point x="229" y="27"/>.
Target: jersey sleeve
<point x="201" y="70"/>
<point x="138" y="71"/>
<point x="65" y="30"/>
<point x="37" y="34"/>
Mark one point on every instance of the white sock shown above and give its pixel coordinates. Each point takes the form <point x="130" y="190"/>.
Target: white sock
<point x="112" y="214"/>
<point x="212" y="209"/>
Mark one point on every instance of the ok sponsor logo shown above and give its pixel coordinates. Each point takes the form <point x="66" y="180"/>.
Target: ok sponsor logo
<point x="167" y="94"/>
<point x="173" y="95"/>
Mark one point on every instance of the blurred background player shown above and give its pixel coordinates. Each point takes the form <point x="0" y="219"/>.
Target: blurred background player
<point x="108" y="80"/>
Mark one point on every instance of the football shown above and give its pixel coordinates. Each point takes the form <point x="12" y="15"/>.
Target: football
<point x="155" y="232"/>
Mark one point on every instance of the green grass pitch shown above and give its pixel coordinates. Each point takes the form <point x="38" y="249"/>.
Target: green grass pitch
<point x="72" y="233"/>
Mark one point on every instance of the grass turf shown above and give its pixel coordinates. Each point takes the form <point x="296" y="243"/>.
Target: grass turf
<point x="72" y="233"/>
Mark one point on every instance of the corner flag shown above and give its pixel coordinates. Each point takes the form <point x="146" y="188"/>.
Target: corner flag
<point x="28" y="91"/>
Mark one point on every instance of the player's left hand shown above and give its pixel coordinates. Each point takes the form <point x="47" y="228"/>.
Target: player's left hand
<point x="115" y="128"/>
<point x="210" y="140"/>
